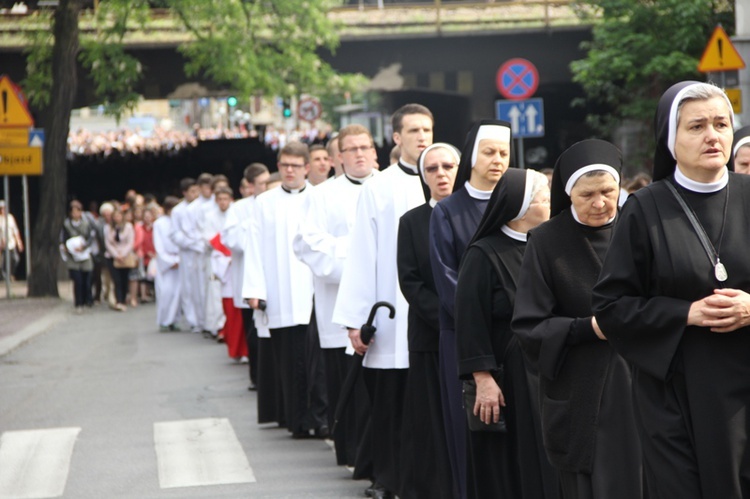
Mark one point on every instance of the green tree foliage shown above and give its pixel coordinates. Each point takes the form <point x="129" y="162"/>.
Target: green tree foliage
<point x="251" y="47"/>
<point x="638" y="49"/>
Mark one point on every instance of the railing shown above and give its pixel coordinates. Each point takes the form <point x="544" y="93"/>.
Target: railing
<point x="358" y="20"/>
<point x="445" y="16"/>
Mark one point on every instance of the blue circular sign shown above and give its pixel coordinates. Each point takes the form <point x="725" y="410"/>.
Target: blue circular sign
<point x="517" y="79"/>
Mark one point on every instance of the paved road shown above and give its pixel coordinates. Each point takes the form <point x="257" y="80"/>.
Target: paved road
<point x="101" y="405"/>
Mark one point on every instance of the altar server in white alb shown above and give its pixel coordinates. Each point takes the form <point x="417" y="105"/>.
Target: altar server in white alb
<point x="167" y="281"/>
<point x="219" y="283"/>
<point x="234" y="236"/>
<point x="370" y="275"/>
<point x="189" y="249"/>
<point x="273" y="274"/>
<point x="323" y="244"/>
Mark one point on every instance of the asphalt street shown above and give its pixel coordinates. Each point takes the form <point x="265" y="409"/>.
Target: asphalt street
<point x="101" y="405"/>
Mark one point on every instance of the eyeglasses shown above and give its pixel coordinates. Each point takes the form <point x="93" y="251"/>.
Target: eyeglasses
<point x="291" y="165"/>
<point x="434" y="168"/>
<point x="355" y="150"/>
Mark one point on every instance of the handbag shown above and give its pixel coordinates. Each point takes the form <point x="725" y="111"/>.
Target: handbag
<point x="130" y="261"/>
<point x="469" y="399"/>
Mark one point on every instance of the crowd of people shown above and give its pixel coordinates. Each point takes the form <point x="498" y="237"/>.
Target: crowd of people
<point x="464" y="329"/>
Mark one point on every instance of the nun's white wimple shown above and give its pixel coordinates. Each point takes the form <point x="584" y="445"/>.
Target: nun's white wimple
<point x="672" y="125"/>
<point x="590" y="168"/>
<point x="437" y="145"/>
<point x="497" y="132"/>
<point x="740" y="143"/>
<point x="526" y="196"/>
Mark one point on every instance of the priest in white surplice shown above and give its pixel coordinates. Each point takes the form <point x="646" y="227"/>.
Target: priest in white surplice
<point x="189" y="249"/>
<point x="167" y="281"/>
<point x="274" y="275"/>
<point x="323" y="244"/>
<point x="370" y="275"/>
<point x="234" y="236"/>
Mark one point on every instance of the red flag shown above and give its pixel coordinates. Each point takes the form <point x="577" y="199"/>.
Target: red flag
<point x="219" y="246"/>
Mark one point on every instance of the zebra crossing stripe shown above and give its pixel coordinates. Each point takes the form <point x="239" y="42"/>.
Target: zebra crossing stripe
<point x="198" y="452"/>
<point x="35" y="463"/>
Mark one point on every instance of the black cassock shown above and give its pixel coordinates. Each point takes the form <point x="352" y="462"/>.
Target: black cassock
<point x="501" y="465"/>
<point x="452" y="225"/>
<point x="691" y="387"/>
<point x="589" y="428"/>
<point x="424" y="454"/>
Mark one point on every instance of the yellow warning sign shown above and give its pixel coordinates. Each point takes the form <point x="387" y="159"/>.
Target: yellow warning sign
<point x="14" y="136"/>
<point x="13" y="111"/>
<point x="735" y="97"/>
<point x="20" y="160"/>
<point x="720" y="54"/>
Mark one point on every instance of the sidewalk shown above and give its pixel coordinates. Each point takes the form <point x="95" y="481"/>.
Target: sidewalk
<point x="22" y="318"/>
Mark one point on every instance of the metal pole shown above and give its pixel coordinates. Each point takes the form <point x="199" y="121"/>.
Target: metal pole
<point x="437" y="13"/>
<point x="521" y="154"/>
<point x="26" y="225"/>
<point x="6" y="237"/>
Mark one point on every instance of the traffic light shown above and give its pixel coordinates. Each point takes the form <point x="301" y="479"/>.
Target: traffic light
<point x="287" y="109"/>
<point x="232" y="101"/>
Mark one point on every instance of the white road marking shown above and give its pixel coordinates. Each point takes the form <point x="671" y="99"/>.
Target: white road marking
<point x="198" y="452"/>
<point x="34" y="464"/>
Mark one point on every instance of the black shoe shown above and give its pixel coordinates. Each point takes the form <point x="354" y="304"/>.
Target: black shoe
<point x="322" y="432"/>
<point x="377" y="491"/>
<point x="301" y="435"/>
<point x="252" y="387"/>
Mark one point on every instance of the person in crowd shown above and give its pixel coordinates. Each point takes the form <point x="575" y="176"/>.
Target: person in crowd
<point x="211" y="223"/>
<point x="320" y="164"/>
<point x="425" y="466"/>
<point x="108" y="286"/>
<point x="233" y="332"/>
<point x="192" y="227"/>
<point x="741" y="150"/>
<point x="167" y="281"/>
<point x="484" y="160"/>
<point x="119" y="239"/>
<point x="14" y="243"/>
<point x="581" y="379"/>
<point x="333" y="154"/>
<point x="144" y="248"/>
<point x="97" y="250"/>
<point x="234" y="236"/>
<point x="505" y="454"/>
<point x="322" y="243"/>
<point x="394" y="154"/>
<point x="672" y="299"/>
<point x="274" y="180"/>
<point x="76" y="239"/>
<point x="191" y="248"/>
<point x="370" y="276"/>
<point x="638" y="182"/>
<point x="276" y="281"/>
<point x="547" y="173"/>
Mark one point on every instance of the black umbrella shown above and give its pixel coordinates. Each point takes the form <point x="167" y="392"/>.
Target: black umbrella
<point x="366" y="332"/>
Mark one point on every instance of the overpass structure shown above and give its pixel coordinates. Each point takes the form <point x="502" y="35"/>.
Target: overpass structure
<point x="443" y="54"/>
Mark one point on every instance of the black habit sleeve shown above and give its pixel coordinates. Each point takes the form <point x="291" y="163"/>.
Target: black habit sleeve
<point x="644" y="329"/>
<point x="478" y="292"/>
<point x="542" y="333"/>
<point x="421" y="298"/>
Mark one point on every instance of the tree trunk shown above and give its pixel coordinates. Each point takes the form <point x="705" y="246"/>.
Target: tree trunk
<point x="54" y="182"/>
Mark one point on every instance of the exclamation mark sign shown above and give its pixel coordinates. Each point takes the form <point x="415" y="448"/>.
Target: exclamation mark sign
<point x="720" y="42"/>
<point x="5" y="105"/>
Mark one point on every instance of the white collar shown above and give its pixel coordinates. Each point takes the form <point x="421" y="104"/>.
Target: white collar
<point x="476" y="193"/>
<point x="411" y="167"/>
<point x="513" y="234"/>
<point x="702" y="187"/>
<point x="432" y="202"/>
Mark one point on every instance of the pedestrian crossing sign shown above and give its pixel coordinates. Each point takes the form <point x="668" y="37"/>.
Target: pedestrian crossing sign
<point x="720" y="54"/>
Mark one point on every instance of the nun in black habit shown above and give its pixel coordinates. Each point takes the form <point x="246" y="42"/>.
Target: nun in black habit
<point x="425" y="469"/>
<point x="741" y="150"/>
<point x="501" y="464"/>
<point x="484" y="160"/>
<point x="587" y="416"/>
<point x="674" y="303"/>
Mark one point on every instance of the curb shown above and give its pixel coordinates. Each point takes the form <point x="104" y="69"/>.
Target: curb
<point x="37" y="327"/>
